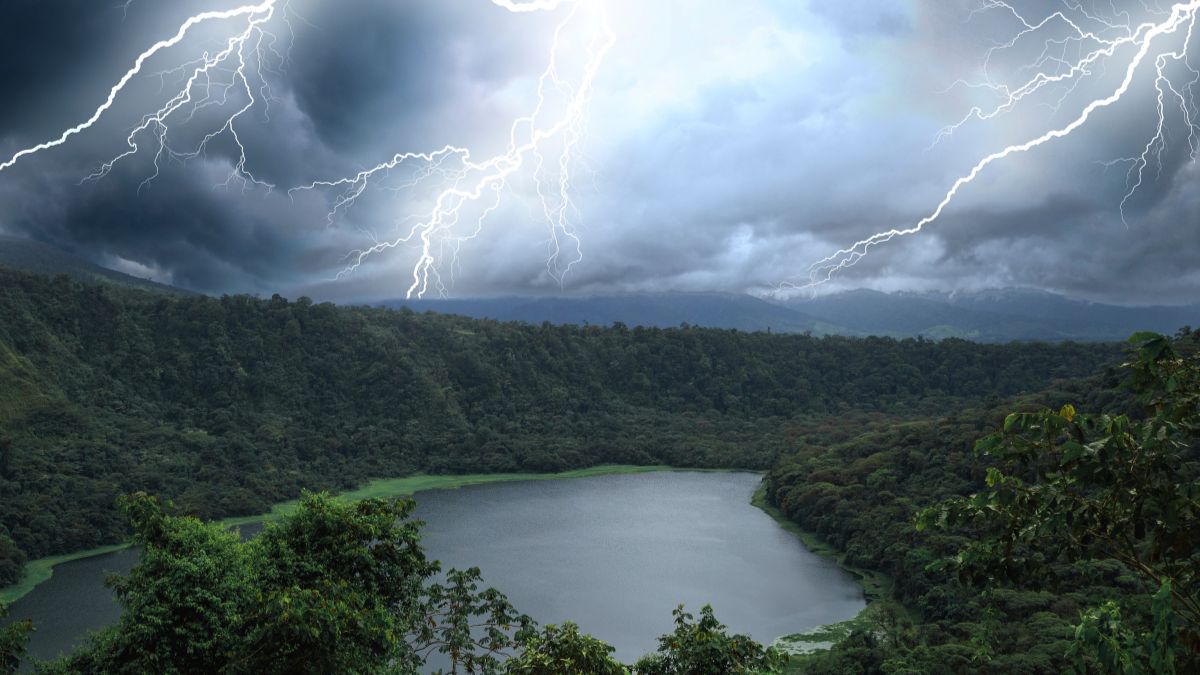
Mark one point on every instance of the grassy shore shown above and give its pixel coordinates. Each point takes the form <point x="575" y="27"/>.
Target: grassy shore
<point x="42" y="569"/>
<point x="388" y="488"/>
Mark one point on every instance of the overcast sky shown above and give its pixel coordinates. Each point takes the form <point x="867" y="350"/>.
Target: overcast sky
<point x="729" y="145"/>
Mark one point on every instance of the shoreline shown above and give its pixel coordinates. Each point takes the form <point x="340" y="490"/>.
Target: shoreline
<point x="42" y="569"/>
<point x="876" y="589"/>
<point x="875" y="586"/>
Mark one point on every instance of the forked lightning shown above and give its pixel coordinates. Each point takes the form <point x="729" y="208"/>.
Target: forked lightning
<point x="234" y="79"/>
<point x="1158" y="45"/>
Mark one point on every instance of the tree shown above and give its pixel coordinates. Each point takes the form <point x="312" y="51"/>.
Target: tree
<point x="12" y="559"/>
<point x="182" y="602"/>
<point x="12" y="643"/>
<point x="1069" y="486"/>
<point x="332" y="587"/>
<point x="563" y="651"/>
<point x="703" y="648"/>
<point x="472" y="627"/>
<point x="336" y="588"/>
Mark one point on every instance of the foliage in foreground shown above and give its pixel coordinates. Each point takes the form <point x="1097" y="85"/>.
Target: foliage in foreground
<point x="12" y="643"/>
<point x="1074" y="537"/>
<point x="342" y="587"/>
<point x="701" y="646"/>
<point x="563" y="651"/>
<point x="1065" y="486"/>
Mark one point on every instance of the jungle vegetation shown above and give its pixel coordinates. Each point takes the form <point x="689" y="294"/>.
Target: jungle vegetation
<point x="1032" y="506"/>
<point x="1046" y="540"/>
<point x="225" y="406"/>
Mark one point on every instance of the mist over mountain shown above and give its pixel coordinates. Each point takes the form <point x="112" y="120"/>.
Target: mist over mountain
<point x="28" y="255"/>
<point x="999" y="315"/>
<point x="995" y="315"/>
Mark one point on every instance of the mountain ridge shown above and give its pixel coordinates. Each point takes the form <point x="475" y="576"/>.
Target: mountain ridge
<point x="988" y="315"/>
<point x="992" y="315"/>
<point x="28" y="255"/>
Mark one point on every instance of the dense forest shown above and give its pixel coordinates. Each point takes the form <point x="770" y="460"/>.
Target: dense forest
<point x="1008" y="533"/>
<point x="1063" y="543"/>
<point x="1066" y="542"/>
<point x="225" y="406"/>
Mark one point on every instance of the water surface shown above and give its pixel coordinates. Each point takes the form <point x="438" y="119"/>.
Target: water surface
<point x="613" y="553"/>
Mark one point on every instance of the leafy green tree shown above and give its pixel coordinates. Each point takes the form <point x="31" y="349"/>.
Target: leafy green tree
<point x="334" y="587"/>
<point x="701" y="647"/>
<point x="472" y="627"/>
<point x="12" y="643"/>
<point x="12" y="559"/>
<point x="1069" y="486"/>
<point x="182" y="603"/>
<point x="563" y="651"/>
<point x="1103" y="636"/>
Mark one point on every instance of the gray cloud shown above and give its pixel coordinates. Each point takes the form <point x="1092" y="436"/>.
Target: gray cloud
<point x="729" y="149"/>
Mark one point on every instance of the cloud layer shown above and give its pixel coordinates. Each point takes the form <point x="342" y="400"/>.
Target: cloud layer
<point x="728" y="150"/>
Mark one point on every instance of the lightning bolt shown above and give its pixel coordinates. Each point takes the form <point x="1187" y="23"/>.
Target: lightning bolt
<point x="229" y="81"/>
<point x="467" y="182"/>
<point x="239" y="64"/>
<point x="1094" y="47"/>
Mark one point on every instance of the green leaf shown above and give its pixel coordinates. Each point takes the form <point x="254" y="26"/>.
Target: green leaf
<point x="1144" y="336"/>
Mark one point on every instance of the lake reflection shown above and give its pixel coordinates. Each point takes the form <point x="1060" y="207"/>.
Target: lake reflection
<point x="614" y="554"/>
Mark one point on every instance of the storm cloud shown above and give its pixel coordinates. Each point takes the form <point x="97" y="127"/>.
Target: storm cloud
<point x="730" y="146"/>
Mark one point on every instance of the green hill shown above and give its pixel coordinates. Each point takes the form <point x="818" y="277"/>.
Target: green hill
<point x="229" y="405"/>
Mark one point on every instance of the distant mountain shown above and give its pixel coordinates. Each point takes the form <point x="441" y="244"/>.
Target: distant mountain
<point x="662" y="310"/>
<point x="1000" y="315"/>
<point x="992" y="316"/>
<point x="1074" y="317"/>
<point x="987" y="316"/>
<point x="34" y="256"/>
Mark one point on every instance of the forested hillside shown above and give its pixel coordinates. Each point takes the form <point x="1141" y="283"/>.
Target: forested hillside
<point x="228" y="405"/>
<point x="957" y="605"/>
<point x="651" y="310"/>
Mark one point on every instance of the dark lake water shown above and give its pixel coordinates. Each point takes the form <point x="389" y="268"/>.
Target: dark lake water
<point x="614" y="554"/>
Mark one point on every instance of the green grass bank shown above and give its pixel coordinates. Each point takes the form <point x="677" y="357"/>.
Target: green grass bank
<point x="38" y="571"/>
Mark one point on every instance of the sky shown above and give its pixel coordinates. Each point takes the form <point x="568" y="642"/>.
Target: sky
<point x="724" y="147"/>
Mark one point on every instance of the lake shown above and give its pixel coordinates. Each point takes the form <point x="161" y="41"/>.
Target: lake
<point x="614" y="554"/>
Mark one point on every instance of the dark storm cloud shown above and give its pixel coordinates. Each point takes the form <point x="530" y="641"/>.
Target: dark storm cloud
<point x="730" y="149"/>
<point x="33" y="59"/>
<point x="752" y="178"/>
<point x="367" y="62"/>
<point x="1085" y="250"/>
<point x="381" y="72"/>
<point x="177" y="223"/>
<point x="365" y="79"/>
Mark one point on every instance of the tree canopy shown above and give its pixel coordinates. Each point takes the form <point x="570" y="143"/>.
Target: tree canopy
<point x="1059" y="541"/>
<point x="228" y="405"/>
<point x="343" y="587"/>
